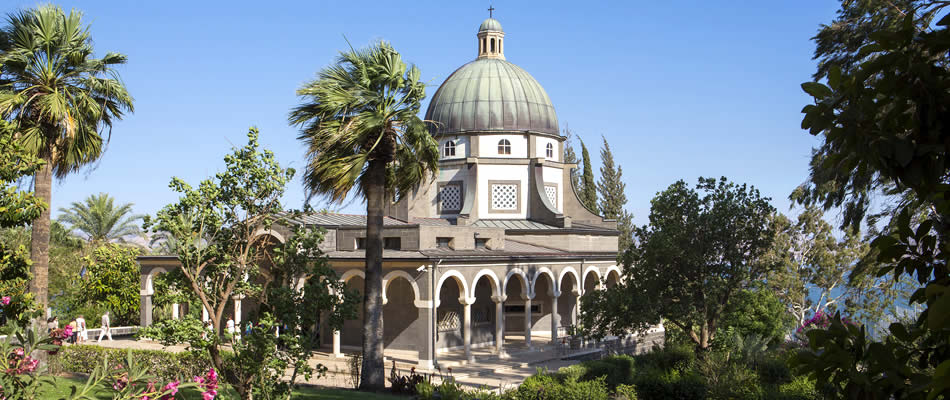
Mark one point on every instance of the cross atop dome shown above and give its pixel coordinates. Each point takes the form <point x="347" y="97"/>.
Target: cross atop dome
<point x="491" y="38"/>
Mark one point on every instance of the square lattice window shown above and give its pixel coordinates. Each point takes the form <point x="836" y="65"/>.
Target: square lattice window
<point x="551" y="192"/>
<point x="504" y="197"/>
<point x="450" y="197"/>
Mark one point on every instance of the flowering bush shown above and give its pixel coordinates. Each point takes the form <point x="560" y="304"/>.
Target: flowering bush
<point x="821" y="320"/>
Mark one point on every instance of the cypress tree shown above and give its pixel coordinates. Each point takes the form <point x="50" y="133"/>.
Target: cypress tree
<point x="570" y="157"/>
<point x="612" y="196"/>
<point x="588" y="191"/>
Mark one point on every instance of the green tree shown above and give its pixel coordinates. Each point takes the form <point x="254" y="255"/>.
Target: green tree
<point x="757" y="311"/>
<point x="570" y="157"/>
<point x="100" y="220"/>
<point x="588" y="190"/>
<point x="702" y="246"/>
<point x="612" y="196"/>
<point x="360" y="126"/>
<point x="882" y="118"/>
<point x="61" y="102"/>
<point x="112" y="282"/>
<point x="17" y="209"/>
<point x="817" y="271"/>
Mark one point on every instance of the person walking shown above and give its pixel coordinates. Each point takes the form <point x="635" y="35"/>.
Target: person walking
<point x="74" y="327"/>
<point x="81" y="325"/>
<point x="51" y="324"/>
<point x="106" y="328"/>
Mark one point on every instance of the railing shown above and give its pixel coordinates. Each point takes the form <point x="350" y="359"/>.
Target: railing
<point x="94" y="333"/>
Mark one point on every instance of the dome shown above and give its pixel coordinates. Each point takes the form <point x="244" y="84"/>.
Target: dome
<point x="490" y="24"/>
<point x="491" y="94"/>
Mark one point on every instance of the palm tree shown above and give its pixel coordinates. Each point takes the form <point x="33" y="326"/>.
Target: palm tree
<point x="61" y="102"/>
<point x="99" y="220"/>
<point x="360" y="125"/>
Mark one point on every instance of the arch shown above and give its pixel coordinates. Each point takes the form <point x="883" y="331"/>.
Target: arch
<point x="612" y="273"/>
<point x="504" y="146"/>
<point x="523" y="280"/>
<point x="496" y="287"/>
<point x="401" y="274"/>
<point x="448" y="149"/>
<point x="550" y="274"/>
<point x="568" y="270"/>
<point x="351" y="273"/>
<point x="277" y="235"/>
<point x="549" y="150"/>
<point x="587" y="272"/>
<point x="149" y="290"/>
<point x="616" y="269"/>
<point x="463" y="285"/>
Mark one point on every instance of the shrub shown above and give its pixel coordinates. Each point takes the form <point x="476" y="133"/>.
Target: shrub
<point x="544" y="386"/>
<point x="800" y="388"/>
<point x="676" y="357"/>
<point x="83" y="359"/>
<point x="626" y="392"/>
<point x="425" y="390"/>
<point x="656" y="384"/>
<point x="774" y="371"/>
<point x="615" y="370"/>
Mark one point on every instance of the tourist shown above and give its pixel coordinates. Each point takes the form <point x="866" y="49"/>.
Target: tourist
<point x="74" y="327"/>
<point x="81" y="325"/>
<point x="106" y="328"/>
<point x="51" y="324"/>
<point x="230" y="326"/>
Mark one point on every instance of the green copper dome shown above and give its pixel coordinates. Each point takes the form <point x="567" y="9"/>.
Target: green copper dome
<point x="491" y="94"/>
<point x="490" y="24"/>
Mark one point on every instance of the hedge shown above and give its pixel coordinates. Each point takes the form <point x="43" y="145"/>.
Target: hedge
<point x="83" y="359"/>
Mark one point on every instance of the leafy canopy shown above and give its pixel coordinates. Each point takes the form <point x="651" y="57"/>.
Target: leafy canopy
<point x="702" y="246"/>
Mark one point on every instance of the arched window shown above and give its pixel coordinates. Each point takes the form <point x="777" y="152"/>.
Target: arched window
<point x="504" y="146"/>
<point x="448" y="149"/>
<point x="483" y="45"/>
<point x="492" y="45"/>
<point x="549" y="150"/>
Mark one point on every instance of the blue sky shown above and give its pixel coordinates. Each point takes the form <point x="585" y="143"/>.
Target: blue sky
<point x="680" y="89"/>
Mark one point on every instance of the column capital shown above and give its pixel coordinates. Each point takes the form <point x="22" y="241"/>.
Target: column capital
<point x="555" y="294"/>
<point x="527" y="297"/>
<point x="423" y="303"/>
<point x="575" y="292"/>
<point x="499" y="299"/>
<point x="466" y="301"/>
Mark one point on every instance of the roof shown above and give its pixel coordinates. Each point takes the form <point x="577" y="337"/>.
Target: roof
<point x="513" y="250"/>
<point x="490" y="24"/>
<point x="328" y="219"/>
<point x="491" y="94"/>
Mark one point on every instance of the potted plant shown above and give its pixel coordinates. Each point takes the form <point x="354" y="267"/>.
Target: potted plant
<point x="576" y="333"/>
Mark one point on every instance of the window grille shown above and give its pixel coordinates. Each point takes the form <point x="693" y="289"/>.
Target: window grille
<point x="551" y="192"/>
<point x="504" y="197"/>
<point x="450" y="197"/>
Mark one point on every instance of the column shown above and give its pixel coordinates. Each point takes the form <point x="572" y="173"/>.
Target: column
<point x="555" y="317"/>
<point x="175" y="311"/>
<point x="426" y="350"/>
<point x="237" y="312"/>
<point x="467" y="325"/>
<point x="575" y="311"/>
<point x="146" y="312"/>
<point x="499" y="325"/>
<point x="527" y="321"/>
<point x="336" y="344"/>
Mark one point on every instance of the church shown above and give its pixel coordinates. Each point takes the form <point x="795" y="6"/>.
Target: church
<point x="497" y="245"/>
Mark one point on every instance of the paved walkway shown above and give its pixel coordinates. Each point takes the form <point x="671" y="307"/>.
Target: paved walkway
<point x="488" y="370"/>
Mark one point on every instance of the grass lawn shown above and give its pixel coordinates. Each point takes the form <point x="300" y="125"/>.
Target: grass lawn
<point x="62" y="390"/>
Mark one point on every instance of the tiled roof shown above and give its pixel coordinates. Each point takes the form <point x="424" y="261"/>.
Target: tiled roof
<point x="512" y="224"/>
<point x="328" y="219"/>
<point x="513" y="249"/>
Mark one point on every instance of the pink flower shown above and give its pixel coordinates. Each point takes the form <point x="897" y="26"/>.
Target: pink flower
<point x="5" y="300"/>
<point x="209" y="395"/>
<point x="170" y="389"/>
<point x="67" y="331"/>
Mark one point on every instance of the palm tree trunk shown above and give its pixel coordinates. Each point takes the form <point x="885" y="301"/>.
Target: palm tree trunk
<point x="39" y="240"/>
<point x="372" y="377"/>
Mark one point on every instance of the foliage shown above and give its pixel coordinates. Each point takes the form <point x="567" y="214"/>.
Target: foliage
<point x="588" y="189"/>
<point x="17" y="209"/>
<point x="626" y="392"/>
<point x="545" y="386"/>
<point x="817" y="272"/>
<point x="882" y="118"/>
<point x="361" y="130"/>
<point x="20" y="378"/>
<point x="758" y="312"/>
<point x="405" y="384"/>
<point x="60" y="102"/>
<point x="612" y="196"/>
<point x="570" y="157"/>
<point x="84" y="359"/>
<point x="100" y="220"/>
<point x="698" y="251"/>
<point x="112" y="282"/>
